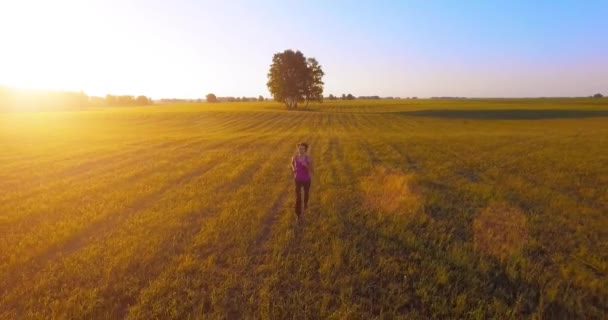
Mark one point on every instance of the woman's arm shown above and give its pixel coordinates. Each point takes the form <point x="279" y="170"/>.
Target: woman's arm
<point x="293" y="168"/>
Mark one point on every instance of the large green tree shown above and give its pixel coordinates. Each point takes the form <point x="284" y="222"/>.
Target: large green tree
<point x="293" y="78"/>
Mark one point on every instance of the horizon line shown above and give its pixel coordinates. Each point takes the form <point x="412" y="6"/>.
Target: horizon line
<point x="385" y="97"/>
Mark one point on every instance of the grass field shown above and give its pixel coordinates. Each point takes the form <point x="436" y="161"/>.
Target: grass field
<point x="419" y="208"/>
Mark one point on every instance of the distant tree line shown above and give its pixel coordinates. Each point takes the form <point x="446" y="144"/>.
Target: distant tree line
<point x="174" y="100"/>
<point x="25" y="99"/>
<point x="377" y="98"/>
<point x="344" y="97"/>
<point x="352" y="97"/>
<point x="112" y="100"/>
<point x="450" y="98"/>
<point x="212" y="98"/>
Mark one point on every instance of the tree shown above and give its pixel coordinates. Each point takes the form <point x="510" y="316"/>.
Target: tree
<point x="314" y="87"/>
<point x="350" y="97"/>
<point x="260" y="98"/>
<point x="598" y="95"/>
<point x="343" y="96"/>
<point x="211" y="98"/>
<point x="293" y="78"/>
<point x="143" y="100"/>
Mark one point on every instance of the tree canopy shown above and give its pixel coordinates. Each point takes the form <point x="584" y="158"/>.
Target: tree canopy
<point x="211" y="98"/>
<point x="293" y="78"/>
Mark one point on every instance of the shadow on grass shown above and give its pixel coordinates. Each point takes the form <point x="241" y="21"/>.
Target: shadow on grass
<point x="508" y="114"/>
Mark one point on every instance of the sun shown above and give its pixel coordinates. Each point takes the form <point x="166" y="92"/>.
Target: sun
<point x="61" y="45"/>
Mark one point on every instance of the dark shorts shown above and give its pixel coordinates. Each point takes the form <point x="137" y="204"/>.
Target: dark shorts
<point x="305" y="186"/>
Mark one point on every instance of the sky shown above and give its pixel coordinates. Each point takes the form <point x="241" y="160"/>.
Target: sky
<point x="186" y="49"/>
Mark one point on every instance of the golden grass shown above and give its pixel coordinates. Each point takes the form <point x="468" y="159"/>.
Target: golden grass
<point x="389" y="191"/>
<point x="500" y="230"/>
<point x="186" y="211"/>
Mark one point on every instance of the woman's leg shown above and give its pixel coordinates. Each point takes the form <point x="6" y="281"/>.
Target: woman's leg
<point x="306" y="191"/>
<point x="299" y="186"/>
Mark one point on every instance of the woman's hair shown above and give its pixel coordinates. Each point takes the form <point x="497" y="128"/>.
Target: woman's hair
<point x="303" y="144"/>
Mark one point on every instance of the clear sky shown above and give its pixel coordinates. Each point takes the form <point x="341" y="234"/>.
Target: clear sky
<point x="186" y="49"/>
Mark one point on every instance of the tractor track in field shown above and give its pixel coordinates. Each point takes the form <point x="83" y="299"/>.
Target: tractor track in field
<point x="194" y="223"/>
<point x="249" y="124"/>
<point x="186" y="234"/>
<point x="35" y="218"/>
<point x="260" y="253"/>
<point x="342" y="159"/>
<point x="98" y="162"/>
<point x="371" y="155"/>
<point x="140" y="203"/>
<point x="83" y="171"/>
<point x="272" y="215"/>
<point x="133" y="155"/>
<point x="480" y="174"/>
<point x="268" y="221"/>
<point x="296" y="254"/>
<point x="79" y="239"/>
<point x="411" y="163"/>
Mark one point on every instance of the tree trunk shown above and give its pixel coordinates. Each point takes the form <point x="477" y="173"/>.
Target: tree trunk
<point x="291" y="103"/>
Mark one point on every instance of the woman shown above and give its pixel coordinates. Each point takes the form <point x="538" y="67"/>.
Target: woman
<point x="302" y="170"/>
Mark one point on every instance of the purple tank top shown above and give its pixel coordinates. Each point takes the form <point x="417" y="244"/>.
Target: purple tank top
<point x="301" y="169"/>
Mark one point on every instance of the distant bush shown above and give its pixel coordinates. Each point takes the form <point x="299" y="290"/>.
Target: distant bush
<point x="348" y="97"/>
<point x="143" y="100"/>
<point x="211" y="98"/>
<point x="598" y="95"/>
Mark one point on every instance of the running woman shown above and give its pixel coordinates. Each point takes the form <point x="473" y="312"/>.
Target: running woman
<point x="301" y="165"/>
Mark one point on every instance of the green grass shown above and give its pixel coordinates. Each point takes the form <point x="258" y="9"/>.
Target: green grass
<point x="419" y="209"/>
